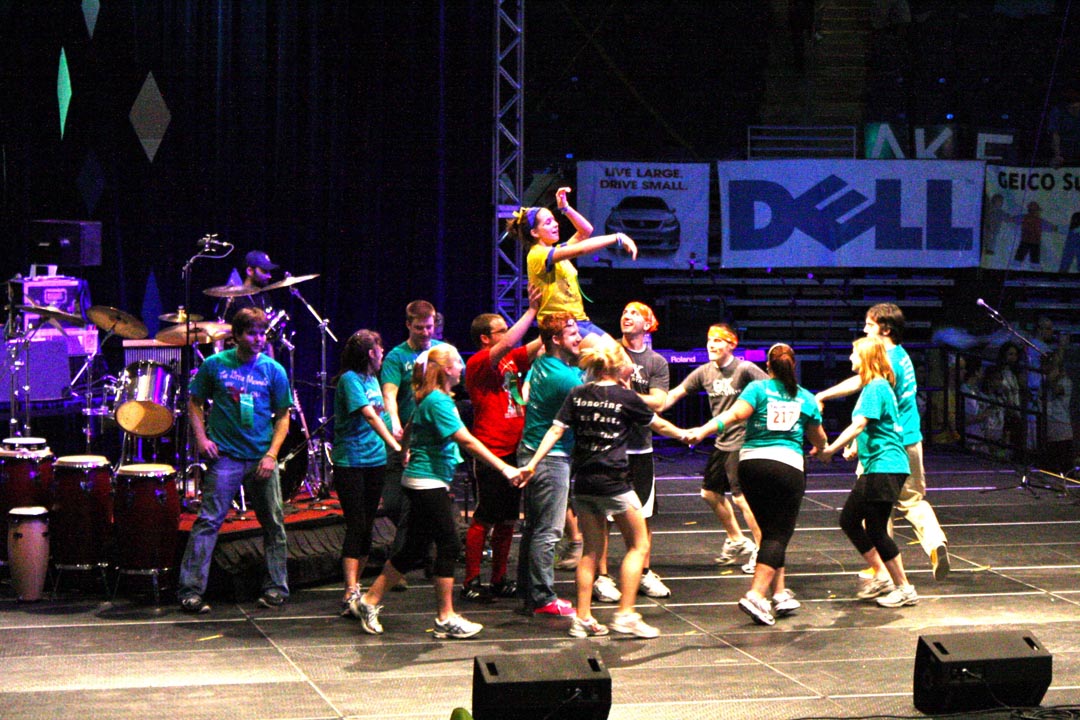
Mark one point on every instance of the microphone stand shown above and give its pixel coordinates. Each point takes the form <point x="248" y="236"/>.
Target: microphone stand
<point x="318" y="443"/>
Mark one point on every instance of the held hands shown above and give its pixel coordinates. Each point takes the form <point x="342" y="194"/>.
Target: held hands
<point x="826" y="455"/>
<point x="518" y="477"/>
<point x="851" y="452"/>
<point x="695" y="436"/>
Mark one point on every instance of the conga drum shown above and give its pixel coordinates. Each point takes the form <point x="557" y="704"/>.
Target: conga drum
<point x="26" y="466"/>
<point x="81" y="512"/>
<point x="146" y="518"/>
<point x="28" y="550"/>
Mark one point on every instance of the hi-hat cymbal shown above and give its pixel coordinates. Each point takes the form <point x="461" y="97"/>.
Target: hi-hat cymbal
<point x="118" y="322"/>
<point x="228" y="291"/>
<point x="289" y="281"/>
<point x="196" y="332"/>
<point x="54" y="313"/>
<point x="180" y="317"/>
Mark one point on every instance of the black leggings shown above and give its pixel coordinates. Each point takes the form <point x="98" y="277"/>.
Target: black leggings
<point x="775" y="491"/>
<point x="432" y="518"/>
<point x="865" y="516"/>
<point x="358" y="490"/>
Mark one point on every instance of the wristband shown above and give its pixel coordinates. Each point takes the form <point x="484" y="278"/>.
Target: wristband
<point x="618" y="242"/>
<point x="720" y="425"/>
<point x="563" y="209"/>
<point x="271" y="456"/>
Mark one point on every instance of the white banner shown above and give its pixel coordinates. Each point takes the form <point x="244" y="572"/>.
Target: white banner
<point x="850" y="213"/>
<point x="663" y="207"/>
<point x="1031" y="219"/>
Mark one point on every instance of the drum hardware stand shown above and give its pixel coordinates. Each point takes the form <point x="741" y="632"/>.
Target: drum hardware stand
<point x="89" y="411"/>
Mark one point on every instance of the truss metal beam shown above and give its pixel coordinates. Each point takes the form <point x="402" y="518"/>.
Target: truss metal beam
<point x="508" y="156"/>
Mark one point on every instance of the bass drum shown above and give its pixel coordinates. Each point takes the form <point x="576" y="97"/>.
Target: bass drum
<point x="293" y="460"/>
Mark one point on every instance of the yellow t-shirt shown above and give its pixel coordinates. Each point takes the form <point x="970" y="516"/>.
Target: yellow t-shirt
<point x="561" y="290"/>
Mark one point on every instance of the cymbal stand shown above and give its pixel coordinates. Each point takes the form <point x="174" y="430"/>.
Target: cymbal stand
<point x="88" y="390"/>
<point x="20" y="393"/>
<point x="318" y="443"/>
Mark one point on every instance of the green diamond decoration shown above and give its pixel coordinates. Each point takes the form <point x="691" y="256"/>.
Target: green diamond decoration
<point x="63" y="90"/>
<point x="150" y="116"/>
<point x="90" y="10"/>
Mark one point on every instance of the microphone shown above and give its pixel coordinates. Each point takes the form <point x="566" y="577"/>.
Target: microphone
<point x="211" y="242"/>
<point x="993" y="313"/>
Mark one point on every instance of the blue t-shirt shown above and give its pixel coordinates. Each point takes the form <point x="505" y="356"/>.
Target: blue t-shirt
<point x="356" y="444"/>
<point x="550" y="381"/>
<point x="433" y="453"/>
<point x="881" y="446"/>
<point x="778" y="420"/>
<point x="397" y="369"/>
<point x="223" y="379"/>
<point x="906" y="390"/>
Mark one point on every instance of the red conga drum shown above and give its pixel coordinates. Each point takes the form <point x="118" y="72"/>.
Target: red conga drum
<point x="81" y="512"/>
<point x="146" y="517"/>
<point x="28" y="550"/>
<point x="25" y="475"/>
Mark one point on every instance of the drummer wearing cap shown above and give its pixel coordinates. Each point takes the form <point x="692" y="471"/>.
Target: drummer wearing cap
<point x="256" y="276"/>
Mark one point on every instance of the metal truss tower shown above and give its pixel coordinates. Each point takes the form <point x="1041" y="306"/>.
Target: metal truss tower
<point x="508" y="156"/>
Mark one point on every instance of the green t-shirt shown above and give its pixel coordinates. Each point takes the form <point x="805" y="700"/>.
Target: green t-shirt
<point x="881" y="445"/>
<point x="906" y="389"/>
<point x="550" y="381"/>
<point x="778" y="419"/>
<point x="356" y="444"/>
<point x="397" y="369"/>
<point x="433" y="453"/>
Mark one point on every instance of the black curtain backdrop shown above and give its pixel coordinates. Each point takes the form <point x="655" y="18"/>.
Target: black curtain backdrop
<point x="348" y="139"/>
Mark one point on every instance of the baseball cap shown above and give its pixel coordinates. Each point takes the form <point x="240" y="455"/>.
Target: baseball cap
<point x="259" y="259"/>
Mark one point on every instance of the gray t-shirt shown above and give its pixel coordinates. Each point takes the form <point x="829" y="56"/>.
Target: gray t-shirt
<point x="650" y="371"/>
<point x="723" y="386"/>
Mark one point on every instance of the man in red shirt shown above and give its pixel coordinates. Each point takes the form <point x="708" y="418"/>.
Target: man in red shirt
<point x="497" y="422"/>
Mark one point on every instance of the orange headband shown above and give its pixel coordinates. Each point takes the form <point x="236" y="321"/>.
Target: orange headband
<point x="720" y="333"/>
<point x="646" y="313"/>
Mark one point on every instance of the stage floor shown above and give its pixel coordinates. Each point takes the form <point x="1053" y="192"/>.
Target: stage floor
<point x="1016" y="566"/>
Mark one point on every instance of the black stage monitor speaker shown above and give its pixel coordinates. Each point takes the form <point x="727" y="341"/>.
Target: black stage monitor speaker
<point x="980" y="670"/>
<point x="569" y="685"/>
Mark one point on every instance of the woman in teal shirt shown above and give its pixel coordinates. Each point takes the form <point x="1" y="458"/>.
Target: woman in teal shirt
<point x="865" y="516"/>
<point x="434" y="434"/>
<point x="780" y="416"/>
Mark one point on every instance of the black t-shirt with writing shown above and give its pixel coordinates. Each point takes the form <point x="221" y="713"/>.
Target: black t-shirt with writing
<point x="602" y="416"/>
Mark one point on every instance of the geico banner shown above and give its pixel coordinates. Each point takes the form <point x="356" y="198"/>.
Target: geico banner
<point x="1031" y="219"/>
<point x="850" y="213"/>
<point x="663" y="207"/>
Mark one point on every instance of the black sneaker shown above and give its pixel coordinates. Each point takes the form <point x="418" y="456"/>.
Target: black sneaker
<point x="474" y="591"/>
<point x="271" y="599"/>
<point x="195" y="605"/>
<point x="505" y="588"/>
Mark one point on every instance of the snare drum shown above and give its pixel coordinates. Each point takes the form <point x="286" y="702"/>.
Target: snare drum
<point x="26" y="471"/>
<point x="81" y="511"/>
<point x="146" y="399"/>
<point x="146" y="511"/>
<point x="28" y="550"/>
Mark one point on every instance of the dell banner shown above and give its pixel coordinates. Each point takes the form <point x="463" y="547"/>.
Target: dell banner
<point x="663" y="207"/>
<point x="850" y="213"/>
<point x="1031" y="219"/>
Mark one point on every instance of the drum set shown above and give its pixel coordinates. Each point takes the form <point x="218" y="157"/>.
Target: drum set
<point x="81" y="512"/>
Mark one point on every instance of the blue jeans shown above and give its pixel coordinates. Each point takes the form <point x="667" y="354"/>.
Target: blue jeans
<point x="219" y="487"/>
<point x="545" y="515"/>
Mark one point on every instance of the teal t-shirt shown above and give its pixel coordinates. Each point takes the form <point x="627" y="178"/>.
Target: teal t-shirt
<point x="778" y="419"/>
<point x="906" y="389"/>
<point x="223" y="379"/>
<point x="433" y="453"/>
<point x="881" y="445"/>
<point x="550" y="381"/>
<point x="356" y="444"/>
<point x="397" y="369"/>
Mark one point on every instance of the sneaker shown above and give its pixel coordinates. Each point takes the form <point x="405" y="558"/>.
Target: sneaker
<point x="939" y="559"/>
<point x="368" y="615"/>
<point x="631" y="623"/>
<point x="879" y="585"/>
<point x="456" y="627"/>
<point x="751" y="564"/>
<point x="354" y="596"/>
<point x="475" y="591"/>
<point x="899" y="597"/>
<point x="271" y="599"/>
<point x="569" y="559"/>
<point x="558" y="607"/>
<point x="587" y="628"/>
<point x="652" y="586"/>
<point x="504" y="588"/>
<point x="605" y="590"/>
<point x="757" y="608"/>
<point x="195" y="605"/>
<point x="732" y="549"/>
<point x="784" y="603"/>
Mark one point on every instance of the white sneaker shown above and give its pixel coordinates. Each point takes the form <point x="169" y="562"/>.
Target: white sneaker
<point x="456" y="627"/>
<point x="631" y="623"/>
<point x="604" y="590"/>
<point x="751" y="564"/>
<point x="368" y="615"/>
<point x="880" y="585"/>
<point x="784" y="603"/>
<point x="652" y="586"/>
<point x="757" y="608"/>
<point x="732" y="549"/>
<point x="587" y="628"/>
<point x="899" y="597"/>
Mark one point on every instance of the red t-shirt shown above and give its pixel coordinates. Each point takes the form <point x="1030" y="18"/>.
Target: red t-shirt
<point x="497" y="419"/>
